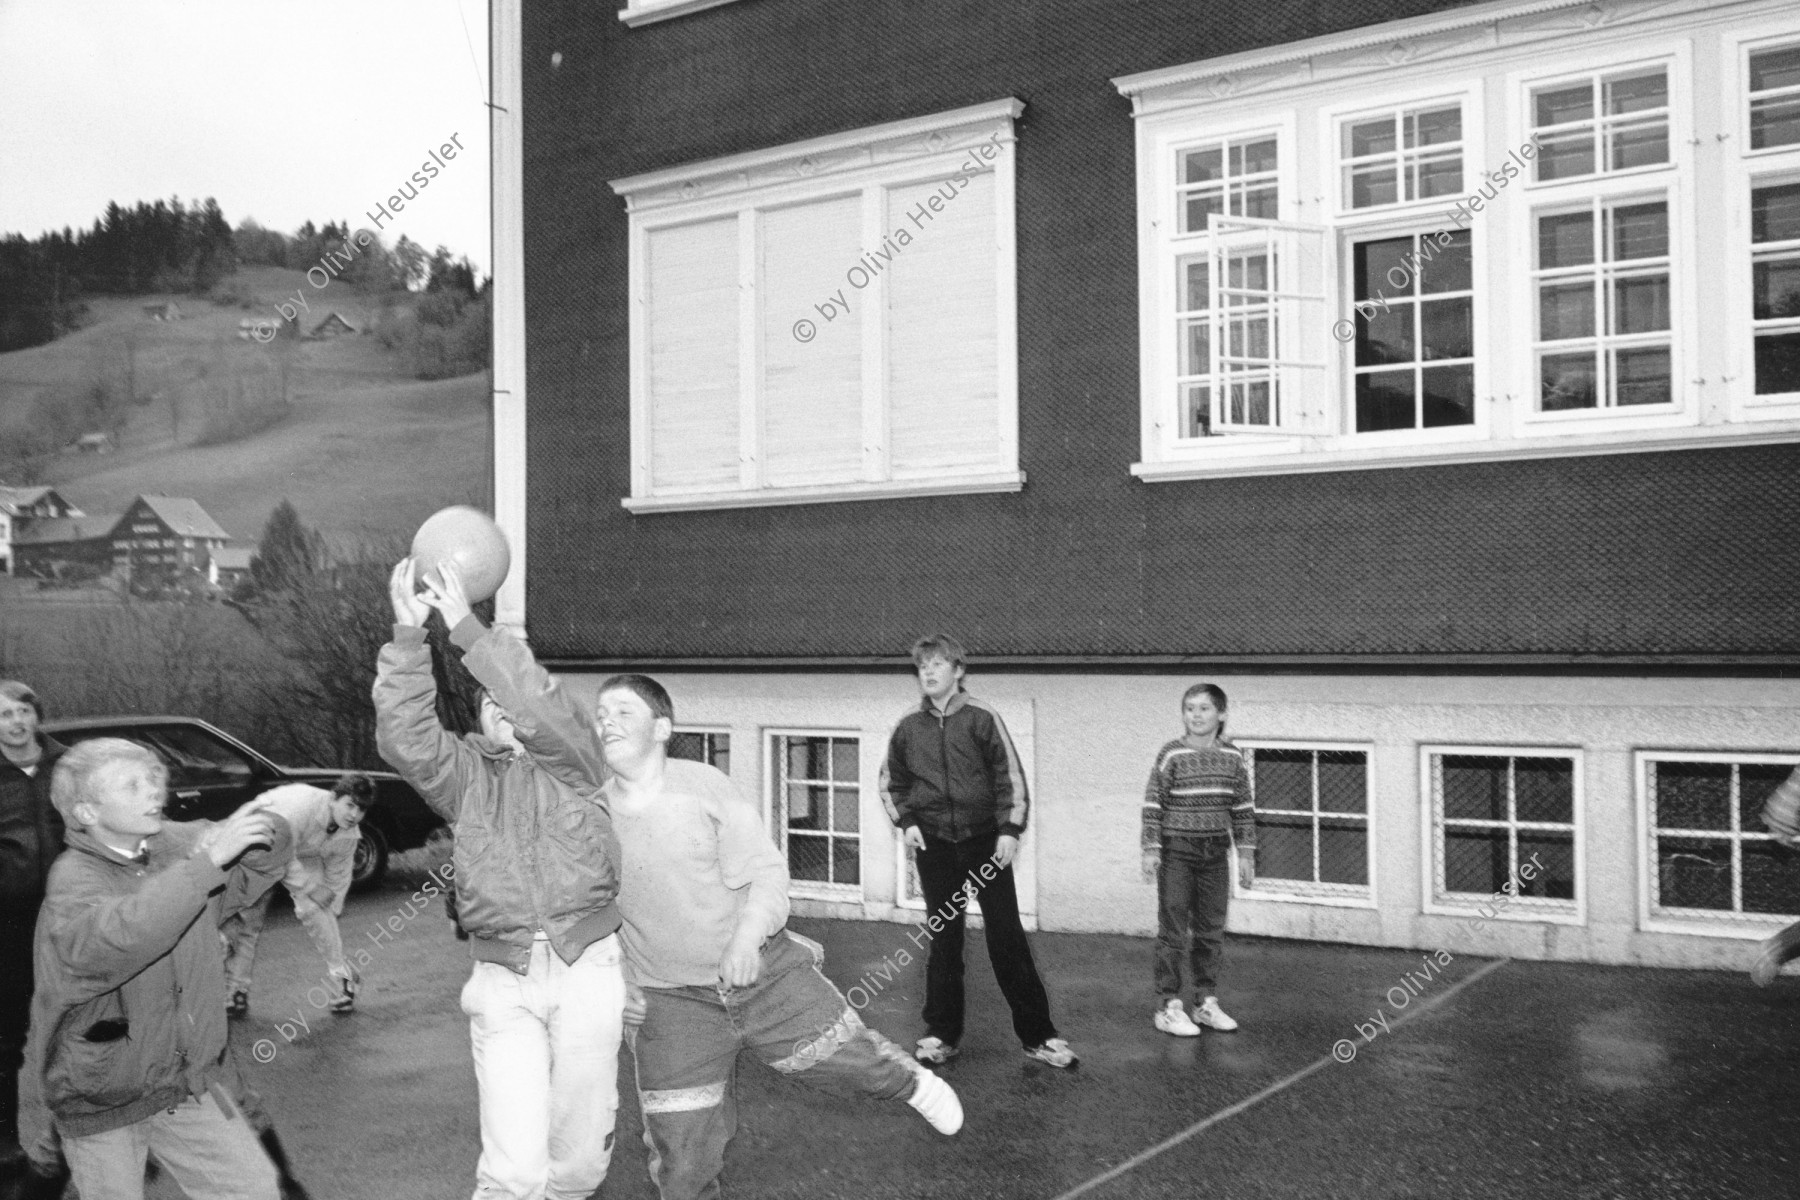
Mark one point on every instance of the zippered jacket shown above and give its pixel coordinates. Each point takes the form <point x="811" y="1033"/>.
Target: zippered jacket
<point x="129" y="1013"/>
<point x="532" y="851"/>
<point x="954" y="774"/>
<point x="31" y="836"/>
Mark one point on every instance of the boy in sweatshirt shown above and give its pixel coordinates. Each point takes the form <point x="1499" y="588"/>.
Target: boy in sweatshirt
<point x="704" y="899"/>
<point x="536" y="876"/>
<point x="1196" y="803"/>
<point x="128" y="1021"/>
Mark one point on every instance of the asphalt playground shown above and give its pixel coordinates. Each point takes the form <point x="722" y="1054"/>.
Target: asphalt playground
<point x="1494" y="1078"/>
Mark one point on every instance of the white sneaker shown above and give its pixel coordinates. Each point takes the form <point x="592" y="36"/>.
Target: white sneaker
<point x="935" y="1051"/>
<point x="1172" y="1018"/>
<point x="1212" y="1016"/>
<point x="936" y="1101"/>
<point x="1056" y="1052"/>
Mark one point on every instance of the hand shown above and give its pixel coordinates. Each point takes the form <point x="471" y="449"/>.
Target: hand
<point x="1152" y="868"/>
<point x="1246" y="867"/>
<point x="447" y="595"/>
<point x="636" y="1007"/>
<point x="1006" y="848"/>
<point x="249" y="826"/>
<point x="403" y="591"/>
<point x="914" y="839"/>
<point x="742" y="962"/>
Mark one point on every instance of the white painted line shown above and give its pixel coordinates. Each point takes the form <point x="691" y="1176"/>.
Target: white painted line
<point x="1280" y="1085"/>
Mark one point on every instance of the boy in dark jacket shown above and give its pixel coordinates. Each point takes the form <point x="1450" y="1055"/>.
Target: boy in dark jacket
<point x="128" y="1021"/>
<point x="31" y="836"/>
<point x="953" y="784"/>
<point x="536" y="872"/>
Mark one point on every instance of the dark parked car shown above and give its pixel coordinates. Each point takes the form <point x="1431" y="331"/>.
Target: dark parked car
<point x="211" y="773"/>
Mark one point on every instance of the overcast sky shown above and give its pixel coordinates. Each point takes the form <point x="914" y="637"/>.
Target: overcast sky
<point x="282" y="110"/>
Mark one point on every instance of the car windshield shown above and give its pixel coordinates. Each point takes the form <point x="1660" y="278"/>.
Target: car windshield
<point x="192" y="755"/>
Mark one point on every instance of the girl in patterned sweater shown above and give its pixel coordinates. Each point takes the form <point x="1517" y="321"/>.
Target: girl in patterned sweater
<point x="1197" y="802"/>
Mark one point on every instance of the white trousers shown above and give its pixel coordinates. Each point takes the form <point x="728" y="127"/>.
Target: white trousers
<point x="213" y="1155"/>
<point x="243" y="929"/>
<point x="546" y="1048"/>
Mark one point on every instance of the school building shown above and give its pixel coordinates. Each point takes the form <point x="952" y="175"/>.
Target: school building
<point x="1425" y="374"/>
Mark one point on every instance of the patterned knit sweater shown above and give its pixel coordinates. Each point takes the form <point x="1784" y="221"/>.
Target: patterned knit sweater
<point x="1199" y="793"/>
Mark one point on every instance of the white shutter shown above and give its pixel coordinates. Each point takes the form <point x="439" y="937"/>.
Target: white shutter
<point x="811" y="390"/>
<point x="942" y="341"/>
<point x="693" y="317"/>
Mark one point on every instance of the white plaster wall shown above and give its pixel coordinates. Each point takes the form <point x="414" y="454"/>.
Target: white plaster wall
<point x="1088" y="740"/>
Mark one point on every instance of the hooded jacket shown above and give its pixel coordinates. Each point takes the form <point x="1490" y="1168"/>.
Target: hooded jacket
<point x="532" y="852"/>
<point x="954" y="773"/>
<point x="129" y="1012"/>
<point x="31" y="836"/>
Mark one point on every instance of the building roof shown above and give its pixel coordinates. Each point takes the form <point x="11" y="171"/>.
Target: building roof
<point x="15" y="500"/>
<point x="55" y="530"/>
<point x="185" y="517"/>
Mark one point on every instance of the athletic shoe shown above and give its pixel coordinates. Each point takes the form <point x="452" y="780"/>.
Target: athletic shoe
<point x="1212" y="1016"/>
<point x="345" y="1000"/>
<point x="1172" y="1018"/>
<point x="1056" y="1052"/>
<point x="238" y="1005"/>
<point x="935" y="1051"/>
<point x="936" y="1101"/>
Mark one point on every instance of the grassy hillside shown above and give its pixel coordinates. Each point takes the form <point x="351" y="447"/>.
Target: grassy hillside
<point x="362" y="449"/>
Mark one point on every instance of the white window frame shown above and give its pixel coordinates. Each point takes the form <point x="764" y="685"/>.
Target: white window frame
<point x="1521" y="909"/>
<point x="1494" y="53"/>
<point x="646" y="12"/>
<point x="1299" y="891"/>
<point x="1704" y="922"/>
<point x="1745" y="169"/>
<point x="1340" y="121"/>
<point x="773" y="769"/>
<point x="706" y="731"/>
<point x="1602" y="125"/>
<point x="865" y="163"/>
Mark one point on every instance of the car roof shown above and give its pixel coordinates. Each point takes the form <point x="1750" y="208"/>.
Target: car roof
<point x="101" y="722"/>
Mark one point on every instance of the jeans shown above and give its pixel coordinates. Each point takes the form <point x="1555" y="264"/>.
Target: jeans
<point x="243" y="928"/>
<point x="546" y="1048"/>
<point x="944" y="870"/>
<point x="792" y="1018"/>
<point x="212" y="1154"/>
<point x="1193" y="891"/>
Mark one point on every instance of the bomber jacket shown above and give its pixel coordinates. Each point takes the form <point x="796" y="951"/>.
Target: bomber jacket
<point x="31" y="836"/>
<point x="532" y="852"/>
<point x="954" y="773"/>
<point x="129" y="1012"/>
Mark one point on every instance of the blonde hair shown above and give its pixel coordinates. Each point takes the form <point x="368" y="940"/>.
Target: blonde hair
<point x="72" y="782"/>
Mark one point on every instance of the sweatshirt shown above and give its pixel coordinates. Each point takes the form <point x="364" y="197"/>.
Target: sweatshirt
<point x="324" y="855"/>
<point x="1198" y="793"/>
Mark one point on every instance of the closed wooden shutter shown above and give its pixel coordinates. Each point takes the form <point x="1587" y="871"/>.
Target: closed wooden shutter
<point x="693" y="318"/>
<point x="811" y="390"/>
<point x="942" y="374"/>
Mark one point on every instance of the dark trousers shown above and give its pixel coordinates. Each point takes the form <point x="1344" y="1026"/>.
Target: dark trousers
<point x="945" y="869"/>
<point x="15" y="1015"/>
<point x="1193" y="891"/>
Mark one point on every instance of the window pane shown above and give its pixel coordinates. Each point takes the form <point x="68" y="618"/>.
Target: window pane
<point x="1693" y="795"/>
<point x="1771" y="879"/>
<point x="1446" y="267"/>
<point x="1384" y="400"/>
<point x="1373" y="262"/>
<point x="1557" y="106"/>
<point x="1640" y="145"/>
<point x="1194" y="276"/>
<point x="807" y="805"/>
<point x="845" y="863"/>
<point x="1196" y="410"/>
<point x="1374" y="183"/>
<point x="1642" y="377"/>
<point x="1284" y="779"/>
<point x="1775" y="288"/>
<point x="1436" y="127"/>
<point x="1636" y="93"/>
<point x="1257" y="156"/>
<point x="1475" y="860"/>
<point x="1363" y="138"/>
<point x="1544" y="789"/>
<point x="1386" y="337"/>
<point x="1202" y="166"/>
<point x="1641" y="304"/>
<point x="1640" y="231"/>
<point x="1249" y="403"/>
<point x="1567" y="381"/>
<point x="844" y="760"/>
<point x="1566" y="240"/>
<point x="1474" y="787"/>
<point x="688" y="745"/>
<point x="1564" y="156"/>
<point x="1772" y="69"/>
<point x="1448" y="327"/>
<point x="1449" y="396"/>
<point x="809" y="858"/>
<point x="1778" y="364"/>
<point x="1775" y="213"/>
<point x="846" y="810"/>
<point x="1756" y="783"/>
<point x="804" y="755"/>
<point x="1775" y="122"/>
<point x="1284" y="848"/>
<point x="1693" y="873"/>
<point x="1260" y="202"/>
<point x="1438" y="177"/>
<point x="1565" y="310"/>
<point x="1343" y="781"/>
<point x="1198" y="205"/>
<point x="1196" y="347"/>
<point x="1344" y="852"/>
<point x="1556" y="854"/>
